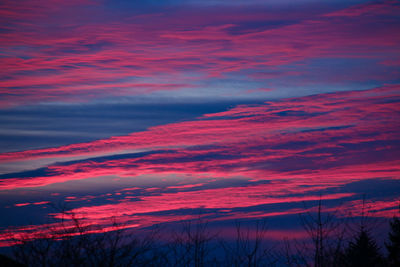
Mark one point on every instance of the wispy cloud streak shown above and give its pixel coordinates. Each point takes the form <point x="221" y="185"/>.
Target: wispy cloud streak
<point x="48" y="56"/>
<point x="350" y="134"/>
<point x="248" y="161"/>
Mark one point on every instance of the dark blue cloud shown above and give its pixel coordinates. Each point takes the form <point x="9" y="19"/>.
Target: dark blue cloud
<point x="43" y="126"/>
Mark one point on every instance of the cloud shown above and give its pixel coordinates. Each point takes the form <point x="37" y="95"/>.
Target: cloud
<point x="134" y="214"/>
<point x="387" y="7"/>
<point x="82" y="59"/>
<point x="246" y="161"/>
<point x="339" y="136"/>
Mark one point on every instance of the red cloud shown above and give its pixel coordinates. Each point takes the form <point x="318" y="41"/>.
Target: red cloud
<point x="330" y="138"/>
<point x="80" y="61"/>
<point x="353" y="116"/>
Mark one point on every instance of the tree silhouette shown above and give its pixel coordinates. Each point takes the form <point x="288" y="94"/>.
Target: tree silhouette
<point x="393" y="246"/>
<point x="75" y="242"/>
<point x="8" y="262"/>
<point x="72" y="242"/>
<point x="363" y="251"/>
<point x="249" y="248"/>
<point x="192" y="246"/>
<point x="325" y="244"/>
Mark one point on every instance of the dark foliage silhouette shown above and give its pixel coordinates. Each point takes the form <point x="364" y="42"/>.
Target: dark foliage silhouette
<point x="249" y="249"/>
<point x="325" y="240"/>
<point x="393" y="244"/>
<point x="363" y="252"/>
<point x="70" y="245"/>
<point x="8" y="262"/>
<point x="74" y="242"/>
<point x="192" y="246"/>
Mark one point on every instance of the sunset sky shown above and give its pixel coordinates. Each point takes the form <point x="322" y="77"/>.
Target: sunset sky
<point x="158" y="111"/>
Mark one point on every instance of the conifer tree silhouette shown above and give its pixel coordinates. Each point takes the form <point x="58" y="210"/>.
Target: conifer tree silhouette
<point x="363" y="250"/>
<point x="393" y="244"/>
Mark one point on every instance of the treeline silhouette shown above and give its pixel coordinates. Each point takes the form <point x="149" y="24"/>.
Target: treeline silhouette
<point x="331" y="243"/>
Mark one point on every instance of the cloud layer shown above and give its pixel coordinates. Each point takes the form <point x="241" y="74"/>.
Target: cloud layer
<point x="278" y="107"/>
<point x="287" y="151"/>
<point x="85" y="50"/>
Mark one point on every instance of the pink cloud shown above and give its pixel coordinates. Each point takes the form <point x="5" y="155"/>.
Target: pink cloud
<point x="386" y="7"/>
<point x="300" y="146"/>
<point x="256" y="123"/>
<point x="348" y="135"/>
<point x="133" y="214"/>
<point x="29" y="203"/>
<point x="94" y="59"/>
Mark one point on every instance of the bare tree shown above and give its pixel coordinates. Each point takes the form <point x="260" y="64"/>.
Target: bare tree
<point x="326" y="237"/>
<point x="249" y="248"/>
<point x="74" y="242"/>
<point x="192" y="246"/>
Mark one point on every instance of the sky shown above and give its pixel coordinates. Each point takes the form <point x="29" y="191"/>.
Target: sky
<point x="154" y="112"/>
